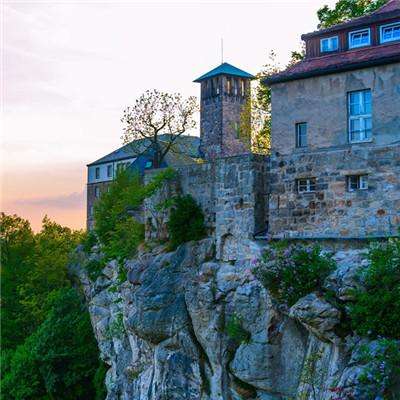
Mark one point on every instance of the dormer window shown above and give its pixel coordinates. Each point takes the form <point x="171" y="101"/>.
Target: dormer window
<point x="360" y="38"/>
<point x="329" y="44"/>
<point x="390" y="32"/>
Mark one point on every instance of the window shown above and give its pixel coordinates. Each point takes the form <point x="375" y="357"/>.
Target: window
<point x="357" y="182"/>
<point x="97" y="192"/>
<point x="306" y="185"/>
<point x="228" y="85"/>
<point x="242" y="87"/>
<point x="91" y="210"/>
<point x="301" y="134"/>
<point x="329" y="44"/>
<point x="148" y="164"/>
<point x="359" y="38"/>
<point x="390" y="33"/>
<point x="236" y="87"/>
<point x="109" y="171"/>
<point x="359" y="111"/>
<point x="97" y="172"/>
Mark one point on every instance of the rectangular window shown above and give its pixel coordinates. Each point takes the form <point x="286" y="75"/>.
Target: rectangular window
<point x="109" y="171"/>
<point x="357" y="182"/>
<point x="242" y="87"/>
<point x="359" y="38"/>
<point x="97" y="192"/>
<point x="306" y="185"/>
<point x="390" y="33"/>
<point x="360" y="112"/>
<point x="329" y="44"/>
<point x="97" y="172"/>
<point x="235" y="87"/>
<point x="91" y="210"/>
<point x="301" y="134"/>
<point x="228" y="86"/>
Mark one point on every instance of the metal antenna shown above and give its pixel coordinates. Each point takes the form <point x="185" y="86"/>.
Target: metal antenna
<point x="222" y="50"/>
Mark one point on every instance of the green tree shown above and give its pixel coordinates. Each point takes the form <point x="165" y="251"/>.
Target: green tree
<point x="345" y="10"/>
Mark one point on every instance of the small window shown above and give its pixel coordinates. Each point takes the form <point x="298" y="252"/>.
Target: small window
<point x="235" y="87"/>
<point x="390" y="33"/>
<point x="91" y="210"/>
<point x="242" y="91"/>
<point x="97" y="192"/>
<point x="97" y="172"/>
<point x="360" y="116"/>
<point x="360" y="38"/>
<point x="109" y="171"/>
<point x="301" y="134"/>
<point x="306" y="185"/>
<point x="217" y="86"/>
<point x="228" y="85"/>
<point x="329" y="44"/>
<point x="357" y="182"/>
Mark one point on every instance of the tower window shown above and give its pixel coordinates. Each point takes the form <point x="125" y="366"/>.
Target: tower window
<point x="360" y="111"/>
<point x="357" y="182"/>
<point x="329" y="44"/>
<point x="217" y="86"/>
<point x="390" y="33"/>
<point x="242" y="87"/>
<point x="359" y="38"/>
<point x="301" y="134"/>
<point x="236" y="87"/>
<point x="228" y="86"/>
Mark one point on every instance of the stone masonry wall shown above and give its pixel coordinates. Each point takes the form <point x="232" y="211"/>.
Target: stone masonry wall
<point x="332" y="211"/>
<point x="232" y="193"/>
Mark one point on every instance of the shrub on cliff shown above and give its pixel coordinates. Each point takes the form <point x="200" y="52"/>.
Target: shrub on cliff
<point x="186" y="221"/>
<point x="290" y="272"/>
<point x="376" y="307"/>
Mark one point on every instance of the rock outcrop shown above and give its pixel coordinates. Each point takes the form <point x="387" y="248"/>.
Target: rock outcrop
<point x="186" y="326"/>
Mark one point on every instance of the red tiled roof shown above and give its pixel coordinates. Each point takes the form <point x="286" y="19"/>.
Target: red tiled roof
<point x="339" y="62"/>
<point x="389" y="10"/>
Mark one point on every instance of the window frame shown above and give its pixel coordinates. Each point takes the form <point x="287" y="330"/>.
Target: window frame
<point x="361" y="45"/>
<point x="310" y="182"/>
<point x="360" y="117"/>
<point x="96" y="192"/>
<point x="109" y="171"/>
<point x="329" y="39"/>
<point x="96" y="173"/>
<point x="361" y="182"/>
<point x="382" y="27"/>
<point x="298" y="141"/>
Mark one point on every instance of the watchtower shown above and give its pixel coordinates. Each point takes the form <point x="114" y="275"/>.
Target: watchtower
<point x="225" y="91"/>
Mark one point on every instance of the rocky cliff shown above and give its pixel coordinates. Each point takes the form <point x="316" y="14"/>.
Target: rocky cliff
<point x="185" y="326"/>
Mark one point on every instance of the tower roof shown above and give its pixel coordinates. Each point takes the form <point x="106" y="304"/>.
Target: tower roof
<point x="225" y="69"/>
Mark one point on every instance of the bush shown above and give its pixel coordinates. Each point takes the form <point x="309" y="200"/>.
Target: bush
<point x="99" y="382"/>
<point x="376" y="307"/>
<point x="290" y="272"/>
<point x="186" y="221"/>
<point x="94" y="267"/>
<point x="235" y="330"/>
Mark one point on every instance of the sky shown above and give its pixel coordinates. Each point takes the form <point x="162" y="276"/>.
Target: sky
<point x="69" y="68"/>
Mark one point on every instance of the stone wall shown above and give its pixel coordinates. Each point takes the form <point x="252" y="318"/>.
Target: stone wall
<point x="332" y="211"/>
<point x="232" y="193"/>
<point x="321" y="102"/>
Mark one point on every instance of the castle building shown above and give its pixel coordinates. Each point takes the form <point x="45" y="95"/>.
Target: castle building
<point x="336" y="132"/>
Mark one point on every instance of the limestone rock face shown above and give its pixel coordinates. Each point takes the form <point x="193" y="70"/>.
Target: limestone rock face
<point x="187" y="326"/>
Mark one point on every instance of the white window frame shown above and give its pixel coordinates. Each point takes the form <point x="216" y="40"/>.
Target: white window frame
<point x="329" y="39"/>
<point x="298" y="141"/>
<point x="361" y="182"/>
<point x="309" y="182"/>
<point x="109" y="169"/>
<point x="381" y="28"/>
<point x="351" y="46"/>
<point x="361" y="117"/>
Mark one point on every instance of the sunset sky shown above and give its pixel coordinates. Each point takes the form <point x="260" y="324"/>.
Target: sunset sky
<point x="69" y="68"/>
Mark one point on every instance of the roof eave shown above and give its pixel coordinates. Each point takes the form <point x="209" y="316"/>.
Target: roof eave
<point x="330" y="70"/>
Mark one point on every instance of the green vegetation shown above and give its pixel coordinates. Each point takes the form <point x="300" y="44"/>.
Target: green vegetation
<point x="292" y="271"/>
<point x="118" y="233"/>
<point x="48" y="348"/>
<point x="376" y="307"/>
<point x="234" y="329"/>
<point x="186" y="221"/>
<point x="345" y="10"/>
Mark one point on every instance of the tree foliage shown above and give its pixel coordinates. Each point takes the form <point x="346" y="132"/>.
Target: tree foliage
<point x="155" y="113"/>
<point x="345" y="10"/>
<point x="48" y="348"/>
